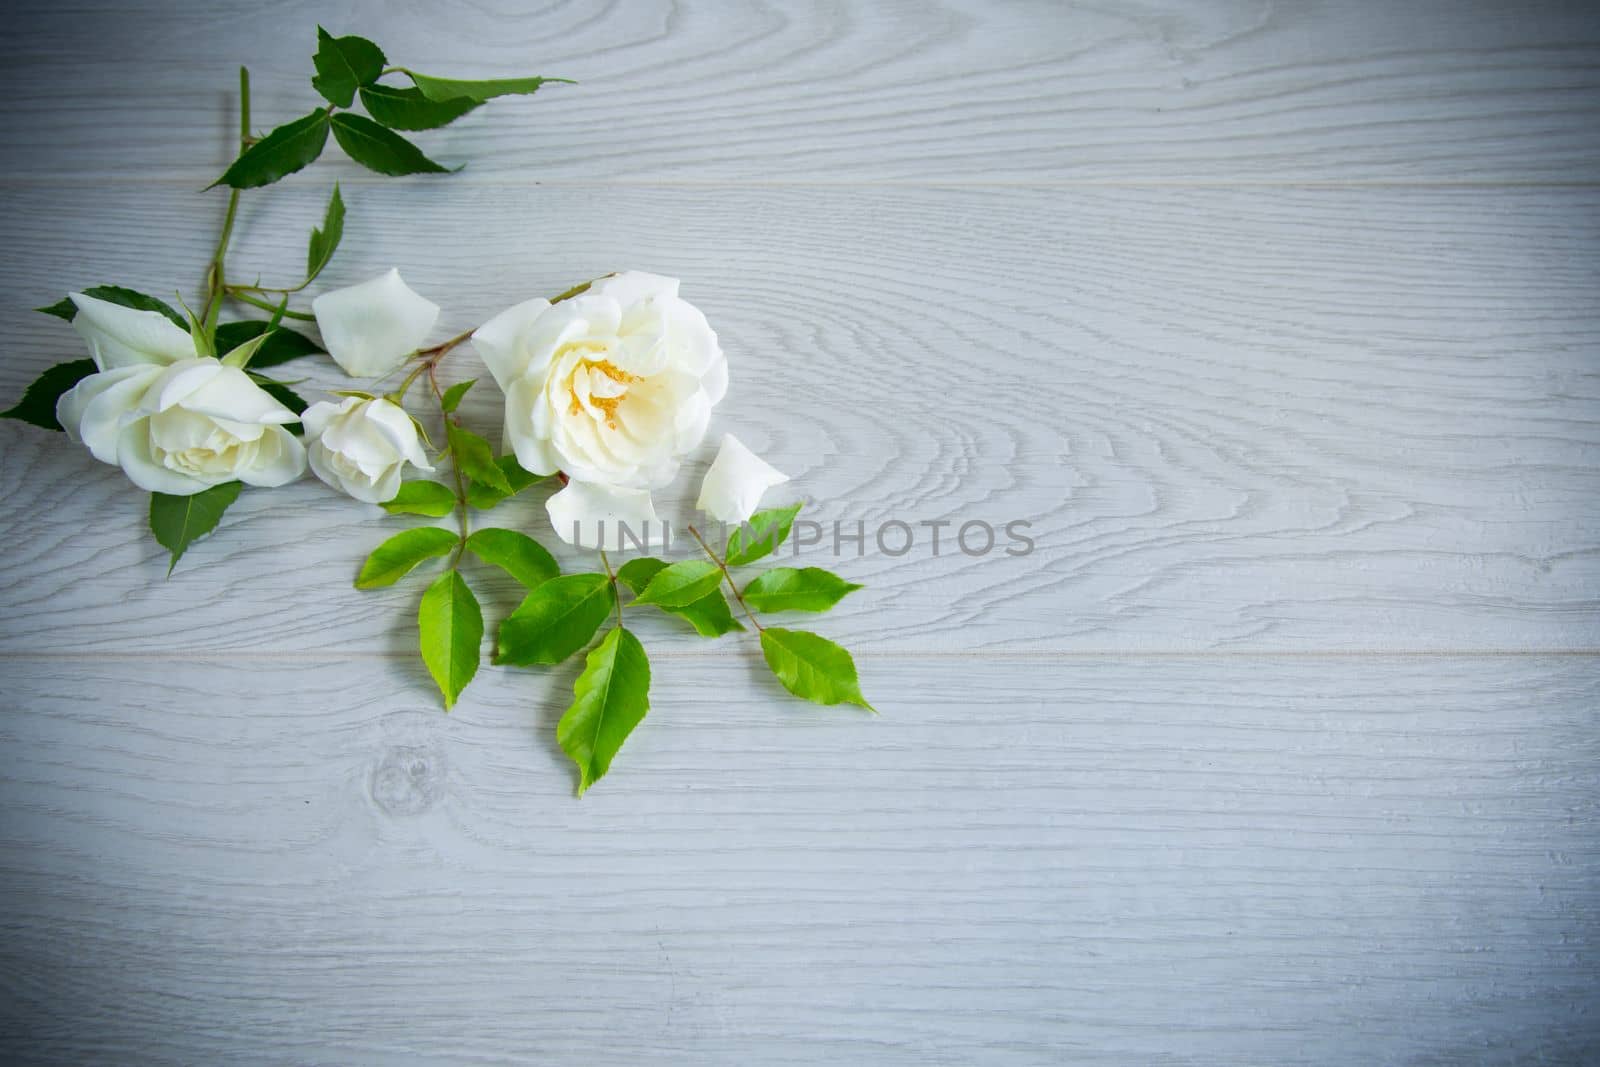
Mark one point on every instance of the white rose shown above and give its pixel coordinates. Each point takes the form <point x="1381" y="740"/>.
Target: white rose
<point x="611" y="386"/>
<point x="370" y="329"/>
<point x="737" y="479"/>
<point x="362" y="446"/>
<point x="175" y="422"/>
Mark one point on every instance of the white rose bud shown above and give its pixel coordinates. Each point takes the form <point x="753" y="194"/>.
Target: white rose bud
<point x="611" y="386"/>
<point x="175" y="422"/>
<point x="737" y="479"/>
<point x="362" y="446"/>
<point x="370" y="329"/>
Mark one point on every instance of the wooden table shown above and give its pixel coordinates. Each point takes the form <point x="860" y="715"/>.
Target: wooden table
<point x="1277" y="321"/>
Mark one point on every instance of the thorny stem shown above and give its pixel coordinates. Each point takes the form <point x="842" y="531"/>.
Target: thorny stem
<point x="729" y="576"/>
<point x="616" y="594"/>
<point x="216" y="281"/>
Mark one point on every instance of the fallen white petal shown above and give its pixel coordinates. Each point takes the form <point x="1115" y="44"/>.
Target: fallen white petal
<point x="589" y="515"/>
<point x="737" y="479"/>
<point x="370" y="329"/>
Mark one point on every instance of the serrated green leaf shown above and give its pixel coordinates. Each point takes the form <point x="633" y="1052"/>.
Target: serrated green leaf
<point x="288" y="148"/>
<point x="344" y="64"/>
<point x="484" y="497"/>
<point x="380" y="149"/>
<point x="442" y="90"/>
<point x="452" y="396"/>
<point x="409" y="109"/>
<point x="395" y="558"/>
<point x="812" y="667"/>
<point x="515" y="553"/>
<point x="710" y="615"/>
<point x="788" y="589"/>
<point x="422" y="498"/>
<point x="681" y="583"/>
<point x="38" y="403"/>
<point x="325" y="240"/>
<point x="609" y="699"/>
<point x="637" y="572"/>
<point x="450" y="625"/>
<point x="761" y="536"/>
<point x="116" y="294"/>
<point x="281" y="345"/>
<point x="179" y="521"/>
<point x="476" y="458"/>
<point x="555" y="620"/>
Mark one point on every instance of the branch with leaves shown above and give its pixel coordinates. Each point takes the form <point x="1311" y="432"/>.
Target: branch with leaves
<point x="607" y="387"/>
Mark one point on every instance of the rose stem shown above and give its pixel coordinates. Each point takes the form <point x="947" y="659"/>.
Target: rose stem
<point x="726" y="574"/>
<point x="616" y="594"/>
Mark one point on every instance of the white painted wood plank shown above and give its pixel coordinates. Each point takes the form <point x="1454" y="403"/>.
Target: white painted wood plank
<point x="1291" y="419"/>
<point x="1254" y="860"/>
<point x="961" y="90"/>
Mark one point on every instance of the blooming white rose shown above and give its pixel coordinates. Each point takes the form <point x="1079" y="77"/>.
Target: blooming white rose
<point x="175" y="422"/>
<point x="370" y="329"/>
<point x="611" y="386"/>
<point x="733" y="486"/>
<point x="362" y="446"/>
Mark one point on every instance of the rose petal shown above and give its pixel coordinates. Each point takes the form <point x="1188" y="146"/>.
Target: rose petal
<point x="133" y="453"/>
<point x="631" y="286"/>
<point x="118" y="336"/>
<point x="280" y="460"/>
<point x="588" y="515"/>
<point x="733" y="486"/>
<point x="370" y="329"/>
<point x="502" y="341"/>
<point x="96" y="409"/>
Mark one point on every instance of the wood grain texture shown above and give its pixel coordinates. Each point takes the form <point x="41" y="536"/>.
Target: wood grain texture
<point x="1260" y="861"/>
<point x="960" y="90"/>
<point x="1277" y="322"/>
<point x="1289" y="419"/>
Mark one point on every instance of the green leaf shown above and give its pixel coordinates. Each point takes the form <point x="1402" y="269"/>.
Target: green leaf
<point x="281" y="345"/>
<point x="812" y="667"/>
<point x="444" y="90"/>
<point x="179" y="521"/>
<point x="709" y="615"/>
<point x="761" y="536"/>
<point x="451" y="627"/>
<point x="285" y="150"/>
<point x="609" y="699"/>
<point x="483" y="497"/>
<point x="379" y="149"/>
<point x="325" y="241"/>
<point x="394" y="559"/>
<point x="409" y="109"/>
<point x="476" y="458"/>
<point x="555" y="620"/>
<point x="422" y="498"/>
<point x="116" y="294"/>
<point x="452" y="396"/>
<point x="38" y="403"/>
<point x="344" y="64"/>
<point x="515" y="553"/>
<point x="788" y="589"/>
<point x="681" y="583"/>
